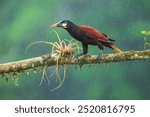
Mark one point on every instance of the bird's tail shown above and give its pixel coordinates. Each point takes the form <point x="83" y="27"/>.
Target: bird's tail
<point x="116" y="49"/>
<point x="112" y="40"/>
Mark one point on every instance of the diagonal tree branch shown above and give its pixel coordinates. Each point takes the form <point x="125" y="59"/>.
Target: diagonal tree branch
<point x="50" y="60"/>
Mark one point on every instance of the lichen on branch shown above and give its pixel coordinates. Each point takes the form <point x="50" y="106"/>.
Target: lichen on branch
<point x="51" y="60"/>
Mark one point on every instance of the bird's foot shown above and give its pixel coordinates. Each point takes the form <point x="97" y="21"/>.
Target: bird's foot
<point x="99" y="57"/>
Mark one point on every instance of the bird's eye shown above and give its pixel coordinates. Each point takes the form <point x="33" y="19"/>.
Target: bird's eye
<point x="64" y="24"/>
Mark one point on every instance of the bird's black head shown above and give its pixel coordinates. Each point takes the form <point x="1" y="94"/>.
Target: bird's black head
<point x="64" y="24"/>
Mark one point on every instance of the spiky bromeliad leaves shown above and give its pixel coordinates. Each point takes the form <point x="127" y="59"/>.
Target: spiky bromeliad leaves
<point x="60" y="50"/>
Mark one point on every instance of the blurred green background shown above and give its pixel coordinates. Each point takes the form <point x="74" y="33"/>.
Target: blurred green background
<point x="25" y="21"/>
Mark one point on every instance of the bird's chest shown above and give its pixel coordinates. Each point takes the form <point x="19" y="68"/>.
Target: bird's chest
<point x="78" y="35"/>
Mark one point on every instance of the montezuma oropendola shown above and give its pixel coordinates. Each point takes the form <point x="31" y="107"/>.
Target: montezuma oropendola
<point x="87" y="36"/>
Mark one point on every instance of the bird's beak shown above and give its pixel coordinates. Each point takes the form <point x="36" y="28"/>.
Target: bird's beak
<point x="53" y="26"/>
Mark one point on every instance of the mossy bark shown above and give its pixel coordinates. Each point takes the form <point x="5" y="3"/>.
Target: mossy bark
<point x="50" y="60"/>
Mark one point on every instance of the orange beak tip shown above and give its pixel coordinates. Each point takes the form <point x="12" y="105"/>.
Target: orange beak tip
<point x="53" y="26"/>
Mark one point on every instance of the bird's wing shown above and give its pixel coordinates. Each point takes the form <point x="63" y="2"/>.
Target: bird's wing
<point x="93" y="33"/>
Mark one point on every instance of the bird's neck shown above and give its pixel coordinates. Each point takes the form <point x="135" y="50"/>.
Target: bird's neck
<point x="72" y="29"/>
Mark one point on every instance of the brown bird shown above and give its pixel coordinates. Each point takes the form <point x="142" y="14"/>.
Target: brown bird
<point x="87" y="36"/>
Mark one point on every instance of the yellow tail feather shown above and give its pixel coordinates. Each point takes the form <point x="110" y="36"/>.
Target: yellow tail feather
<point x="116" y="49"/>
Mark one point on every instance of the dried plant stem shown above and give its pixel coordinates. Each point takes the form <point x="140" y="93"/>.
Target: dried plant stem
<point x="50" y="60"/>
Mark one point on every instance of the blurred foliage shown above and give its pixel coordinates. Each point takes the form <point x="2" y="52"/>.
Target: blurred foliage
<point x="25" y="21"/>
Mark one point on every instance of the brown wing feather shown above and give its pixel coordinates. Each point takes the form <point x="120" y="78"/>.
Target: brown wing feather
<point x="93" y="33"/>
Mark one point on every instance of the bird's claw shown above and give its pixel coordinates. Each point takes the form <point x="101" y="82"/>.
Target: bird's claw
<point x="99" y="58"/>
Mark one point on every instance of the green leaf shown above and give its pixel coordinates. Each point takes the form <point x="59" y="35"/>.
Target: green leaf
<point x="145" y="32"/>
